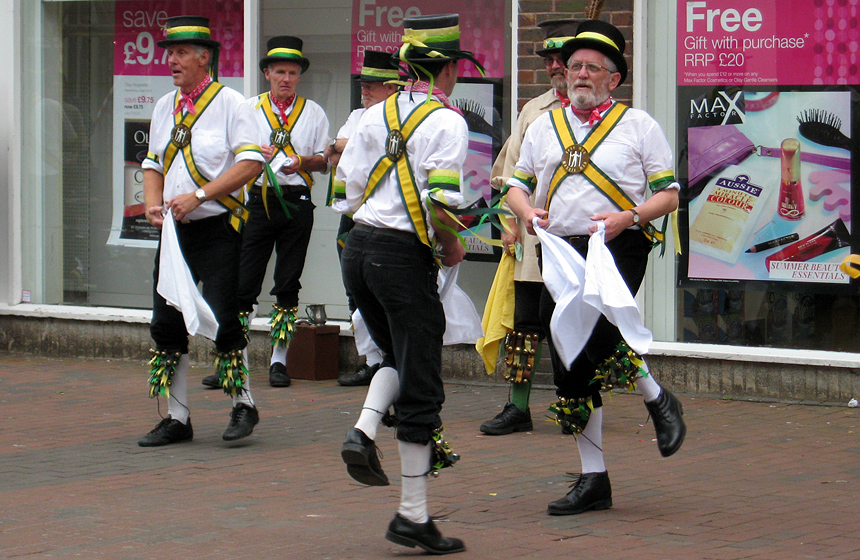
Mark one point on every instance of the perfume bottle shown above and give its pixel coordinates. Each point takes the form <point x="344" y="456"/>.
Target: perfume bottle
<point x="791" y="203"/>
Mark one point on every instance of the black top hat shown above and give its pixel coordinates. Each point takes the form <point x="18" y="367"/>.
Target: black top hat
<point x="433" y="38"/>
<point x="188" y="29"/>
<point x="377" y="67"/>
<point x="556" y="32"/>
<point x="600" y="36"/>
<point x="284" y="48"/>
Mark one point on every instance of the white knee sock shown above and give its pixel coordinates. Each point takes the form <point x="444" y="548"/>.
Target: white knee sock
<point x="648" y="386"/>
<point x="383" y="389"/>
<point x="279" y="355"/>
<point x="177" y="403"/>
<point x="414" y="465"/>
<point x="590" y="443"/>
<point x="244" y="397"/>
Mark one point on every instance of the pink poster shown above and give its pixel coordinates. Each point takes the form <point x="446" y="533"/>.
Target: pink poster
<point x="756" y="42"/>
<point x="140" y="25"/>
<point x="378" y="25"/>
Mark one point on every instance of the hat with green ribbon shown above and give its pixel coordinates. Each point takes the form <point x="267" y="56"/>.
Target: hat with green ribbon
<point x="284" y="48"/>
<point x="433" y="38"/>
<point x="377" y="67"/>
<point x="188" y="29"/>
<point x="556" y="32"/>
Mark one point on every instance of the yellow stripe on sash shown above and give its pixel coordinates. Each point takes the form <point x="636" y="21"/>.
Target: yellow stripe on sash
<point x="298" y="107"/>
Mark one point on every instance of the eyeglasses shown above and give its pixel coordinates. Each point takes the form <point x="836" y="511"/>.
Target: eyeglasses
<point x="590" y="67"/>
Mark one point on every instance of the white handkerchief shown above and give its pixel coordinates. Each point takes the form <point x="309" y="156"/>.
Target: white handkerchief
<point x="462" y="322"/>
<point x="564" y="275"/>
<point x="606" y="291"/>
<point x="176" y="285"/>
<point x="363" y="343"/>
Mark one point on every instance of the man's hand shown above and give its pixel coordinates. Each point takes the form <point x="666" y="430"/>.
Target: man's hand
<point x="509" y="239"/>
<point x="268" y="151"/>
<point x="182" y="205"/>
<point x="615" y="222"/>
<point x="155" y="216"/>
<point x="291" y="165"/>
<point x="452" y="253"/>
<point x="519" y="202"/>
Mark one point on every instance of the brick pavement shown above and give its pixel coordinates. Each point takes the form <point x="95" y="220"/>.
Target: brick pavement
<point x="753" y="480"/>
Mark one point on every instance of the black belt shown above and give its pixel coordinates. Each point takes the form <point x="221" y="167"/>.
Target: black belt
<point x="287" y="189"/>
<point x="409" y="236"/>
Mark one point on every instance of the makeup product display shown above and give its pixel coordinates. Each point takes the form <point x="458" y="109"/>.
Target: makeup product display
<point x="830" y="238"/>
<point x="759" y="247"/>
<point x="791" y="204"/>
<point x="731" y="209"/>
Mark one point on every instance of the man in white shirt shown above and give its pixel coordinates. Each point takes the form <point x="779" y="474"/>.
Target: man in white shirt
<point x="594" y="162"/>
<point x="203" y="148"/>
<point x="292" y="133"/>
<point x="406" y="153"/>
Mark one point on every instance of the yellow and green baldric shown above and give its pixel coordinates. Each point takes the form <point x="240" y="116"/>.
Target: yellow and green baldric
<point x="576" y="159"/>
<point x="395" y="158"/>
<point x="281" y="134"/>
<point x="180" y="143"/>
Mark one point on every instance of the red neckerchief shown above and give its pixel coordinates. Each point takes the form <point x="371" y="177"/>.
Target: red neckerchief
<point x="565" y="102"/>
<point x="424" y="87"/>
<point x="283" y="105"/>
<point x="188" y="100"/>
<point x="594" y="114"/>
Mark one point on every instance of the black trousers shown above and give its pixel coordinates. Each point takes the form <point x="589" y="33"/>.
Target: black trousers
<point x="630" y="250"/>
<point x="392" y="277"/>
<point x="211" y="248"/>
<point x="527" y="307"/>
<point x="289" y="237"/>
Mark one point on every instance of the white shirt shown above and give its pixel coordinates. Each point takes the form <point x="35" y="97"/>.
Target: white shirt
<point x="226" y="125"/>
<point x="341" y="206"/>
<point x="439" y="142"/>
<point x="633" y="151"/>
<point x="308" y="136"/>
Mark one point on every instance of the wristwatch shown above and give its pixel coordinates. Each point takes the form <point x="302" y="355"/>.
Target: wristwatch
<point x="333" y="142"/>
<point x="635" y="216"/>
<point x="201" y="195"/>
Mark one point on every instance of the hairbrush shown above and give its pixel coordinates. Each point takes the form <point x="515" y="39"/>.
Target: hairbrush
<point x="822" y="127"/>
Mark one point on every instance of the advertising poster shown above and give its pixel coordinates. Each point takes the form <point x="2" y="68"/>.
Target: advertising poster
<point x="767" y="102"/>
<point x="378" y="25"/>
<point x="141" y="77"/>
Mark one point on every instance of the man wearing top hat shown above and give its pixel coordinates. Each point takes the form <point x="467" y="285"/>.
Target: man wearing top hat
<point x="407" y="153"/>
<point x="596" y="161"/>
<point x="378" y="80"/>
<point x="523" y="343"/>
<point x="293" y="133"/>
<point x="203" y="149"/>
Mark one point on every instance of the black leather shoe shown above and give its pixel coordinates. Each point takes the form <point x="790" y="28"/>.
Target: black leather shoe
<point x="278" y="375"/>
<point x="166" y="432"/>
<point x="211" y="381"/>
<point x="590" y="491"/>
<point x="243" y="418"/>
<point x="408" y="533"/>
<point x="667" y="412"/>
<point x="362" y="463"/>
<point x="510" y="419"/>
<point x="359" y="377"/>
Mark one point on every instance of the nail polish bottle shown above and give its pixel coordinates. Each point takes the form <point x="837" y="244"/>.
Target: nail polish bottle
<point x="791" y="203"/>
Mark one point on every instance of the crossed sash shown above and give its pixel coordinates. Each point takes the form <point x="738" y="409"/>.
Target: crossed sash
<point x="281" y="136"/>
<point x="576" y="159"/>
<point x="180" y="143"/>
<point x="395" y="158"/>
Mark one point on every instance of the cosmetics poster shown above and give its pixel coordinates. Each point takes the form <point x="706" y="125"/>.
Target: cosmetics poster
<point x="141" y="77"/>
<point x="766" y="100"/>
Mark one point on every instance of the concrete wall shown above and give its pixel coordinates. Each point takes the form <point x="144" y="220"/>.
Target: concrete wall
<point x="94" y="339"/>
